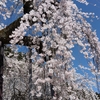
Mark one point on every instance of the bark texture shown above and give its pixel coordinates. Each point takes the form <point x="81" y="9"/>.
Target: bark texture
<point x="1" y="68"/>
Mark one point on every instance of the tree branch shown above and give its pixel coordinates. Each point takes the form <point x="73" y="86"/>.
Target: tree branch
<point x="27" y="6"/>
<point x="6" y="32"/>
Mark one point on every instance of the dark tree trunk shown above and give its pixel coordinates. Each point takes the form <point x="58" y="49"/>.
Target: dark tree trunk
<point x="51" y="87"/>
<point x="27" y="6"/>
<point x="30" y="74"/>
<point x="1" y="68"/>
